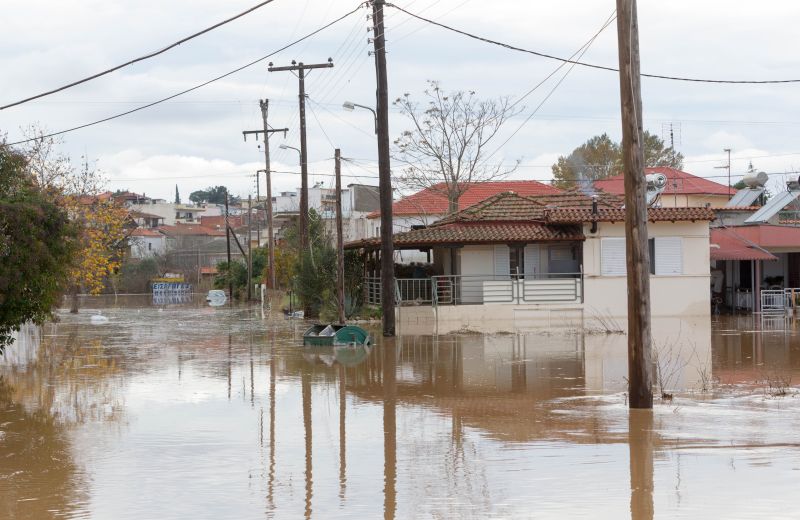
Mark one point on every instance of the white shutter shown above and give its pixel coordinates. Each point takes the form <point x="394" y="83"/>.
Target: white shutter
<point x="532" y="267"/>
<point x="502" y="261"/>
<point x="612" y="256"/>
<point x="669" y="255"/>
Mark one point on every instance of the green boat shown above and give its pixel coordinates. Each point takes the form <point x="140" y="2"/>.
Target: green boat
<point x="321" y="335"/>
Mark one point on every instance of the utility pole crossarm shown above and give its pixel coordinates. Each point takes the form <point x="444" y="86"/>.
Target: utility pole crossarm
<point x="245" y="133"/>
<point x="302" y="66"/>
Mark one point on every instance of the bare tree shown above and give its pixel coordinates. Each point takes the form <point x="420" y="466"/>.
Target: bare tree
<point x="445" y="150"/>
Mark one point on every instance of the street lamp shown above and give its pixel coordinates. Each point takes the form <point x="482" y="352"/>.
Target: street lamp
<point x="287" y="147"/>
<point x="350" y="106"/>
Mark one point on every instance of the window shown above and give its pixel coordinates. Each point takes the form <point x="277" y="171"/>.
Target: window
<point x="612" y="257"/>
<point x="666" y="256"/>
<point x="516" y="261"/>
<point x="149" y="246"/>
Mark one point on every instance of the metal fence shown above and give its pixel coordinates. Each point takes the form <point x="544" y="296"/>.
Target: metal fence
<point x="480" y="289"/>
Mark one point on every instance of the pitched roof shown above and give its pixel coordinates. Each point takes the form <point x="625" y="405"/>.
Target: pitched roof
<point x="510" y="207"/>
<point x="191" y="230"/>
<point x="433" y="200"/>
<point x="144" y="232"/>
<point x="576" y="215"/>
<point x="727" y="244"/>
<point x="678" y="183"/>
<point x="462" y="233"/>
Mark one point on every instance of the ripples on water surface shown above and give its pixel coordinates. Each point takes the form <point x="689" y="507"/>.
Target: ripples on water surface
<point x="188" y="411"/>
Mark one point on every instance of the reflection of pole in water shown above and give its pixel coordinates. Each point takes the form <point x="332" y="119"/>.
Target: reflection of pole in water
<point x="229" y="367"/>
<point x="342" y="433"/>
<point x="389" y="428"/>
<point x="306" y="384"/>
<point x="640" y="443"/>
<point x="271" y="478"/>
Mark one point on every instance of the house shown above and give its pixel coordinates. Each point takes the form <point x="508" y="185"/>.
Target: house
<point x="145" y="243"/>
<point x="683" y="189"/>
<point x="146" y="220"/>
<point x="431" y="204"/>
<point x="552" y="257"/>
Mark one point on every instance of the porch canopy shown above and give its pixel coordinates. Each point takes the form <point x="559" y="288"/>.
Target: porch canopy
<point x="729" y="244"/>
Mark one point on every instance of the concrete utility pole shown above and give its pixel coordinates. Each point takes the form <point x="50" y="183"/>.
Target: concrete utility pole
<point x="637" y="252"/>
<point x="337" y="154"/>
<point x="301" y="76"/>
<point x="264" y="103"/>
<point x="384" y="171"/>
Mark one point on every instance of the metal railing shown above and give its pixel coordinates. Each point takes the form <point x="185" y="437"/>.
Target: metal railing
<point x="480" y="289"/>
<point x="773" y="301"/>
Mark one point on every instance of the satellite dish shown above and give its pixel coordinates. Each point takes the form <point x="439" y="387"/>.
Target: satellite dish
<point x="656" y="183"/>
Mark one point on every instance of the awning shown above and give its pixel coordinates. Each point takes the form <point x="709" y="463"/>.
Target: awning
<point x="727" y="245"/>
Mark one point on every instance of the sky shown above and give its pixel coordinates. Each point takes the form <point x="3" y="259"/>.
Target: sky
<point x="195" y="140"/>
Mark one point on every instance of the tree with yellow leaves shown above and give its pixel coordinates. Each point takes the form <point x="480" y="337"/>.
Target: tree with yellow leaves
<point x="102" y="222"/>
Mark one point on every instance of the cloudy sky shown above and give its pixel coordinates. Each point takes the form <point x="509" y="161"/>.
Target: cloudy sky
<point x="195" y="140"/>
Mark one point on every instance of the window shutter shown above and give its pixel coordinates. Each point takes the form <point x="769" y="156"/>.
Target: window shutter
<point x="669" y="255"/>
<point x="612" y="256"/>
<point x="502" y="261"/>
<point x="532" y="267"/>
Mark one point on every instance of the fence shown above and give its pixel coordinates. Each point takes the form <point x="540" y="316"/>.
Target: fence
<point x="480" y="289"/>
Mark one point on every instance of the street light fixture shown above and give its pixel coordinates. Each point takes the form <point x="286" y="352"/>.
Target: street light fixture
<point x="350" y="106"/>
<point x="287" y="147"/>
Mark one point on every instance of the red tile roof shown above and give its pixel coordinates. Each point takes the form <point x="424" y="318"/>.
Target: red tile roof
<point x="433" y="200"/>
<point x="678" y="183"/>
<point x="144" y="232"/>
<point x="727" y="244"/>
<point x="463" y="233"/>
<point x="575" y="215"/>
<point x="218" y="221"/>
<point x="191" y="230"/>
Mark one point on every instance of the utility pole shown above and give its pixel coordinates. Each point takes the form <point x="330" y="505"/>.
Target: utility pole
<point x="249" y="247"/>
<point x="640" y="391"/>
<point x="384" y="171"/>
<point x="228" y="247"/>
<point x="258" y="219"/>
<point x="264" y="104"/>
<point x="301" y="76"/>
<point x="337" y="154"/>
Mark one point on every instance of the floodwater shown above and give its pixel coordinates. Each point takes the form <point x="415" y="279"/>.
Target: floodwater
<point x="189" y="411"/>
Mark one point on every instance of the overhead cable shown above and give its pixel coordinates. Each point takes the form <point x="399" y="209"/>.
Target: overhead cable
<point x="234" y="71"/>
<point x="589" y="65"/>
<point x="140" y="58"/>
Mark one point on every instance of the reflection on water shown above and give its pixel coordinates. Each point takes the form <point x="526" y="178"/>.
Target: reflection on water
<point x="191" y="411"/>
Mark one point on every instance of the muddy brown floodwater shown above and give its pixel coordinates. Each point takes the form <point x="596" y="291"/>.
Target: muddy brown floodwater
<point x="190" y="411"/>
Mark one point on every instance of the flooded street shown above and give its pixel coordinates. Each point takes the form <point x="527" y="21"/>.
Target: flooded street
<point x="190" y="411"/>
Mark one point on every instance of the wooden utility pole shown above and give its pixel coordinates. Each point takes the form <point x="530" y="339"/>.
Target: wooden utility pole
<point x="301" y="76"/>
<point x="258" y="219"/>
<point x="249" y="247"/>
<point x="636" y="246"/>
<point x="264" y="104"/>
<point x="384" y="171"/>
<point x="228" y="247"/>
<point x="337" y="154"/>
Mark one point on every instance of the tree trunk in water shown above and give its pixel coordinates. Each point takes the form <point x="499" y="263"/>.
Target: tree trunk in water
<point x="74" y="300"/>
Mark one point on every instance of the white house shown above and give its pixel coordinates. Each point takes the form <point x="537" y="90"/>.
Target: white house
<point x="146" y="243"/>
<point x="545" y="259"/>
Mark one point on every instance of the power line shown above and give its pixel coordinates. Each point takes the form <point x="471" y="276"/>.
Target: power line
<point x="234" y="71"/>
<point x="589" y="65"/>
<point x="141" y="58"/>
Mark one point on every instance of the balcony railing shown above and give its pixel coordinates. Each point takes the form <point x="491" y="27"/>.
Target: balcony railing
<point x="541" y="288"/>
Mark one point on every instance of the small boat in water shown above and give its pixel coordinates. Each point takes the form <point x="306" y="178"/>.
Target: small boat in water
<point x="327" y="335"/>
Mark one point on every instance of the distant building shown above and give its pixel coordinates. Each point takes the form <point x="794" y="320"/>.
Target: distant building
<point x="683" y="189"/>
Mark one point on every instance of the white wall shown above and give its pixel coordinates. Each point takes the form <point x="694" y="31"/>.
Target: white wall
<point x="675" y="295"/>
<point x="145" y="247"/>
